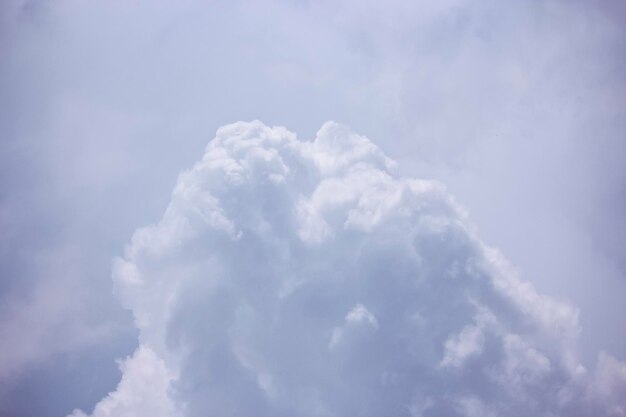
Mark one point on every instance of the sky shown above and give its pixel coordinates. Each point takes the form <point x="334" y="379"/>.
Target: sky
<point x="504" y="120"/>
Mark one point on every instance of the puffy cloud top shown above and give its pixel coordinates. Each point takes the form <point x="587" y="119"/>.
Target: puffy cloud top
<point x="307" y="278"/>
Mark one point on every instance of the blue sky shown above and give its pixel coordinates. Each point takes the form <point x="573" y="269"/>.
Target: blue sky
<point x="516" y="107"/>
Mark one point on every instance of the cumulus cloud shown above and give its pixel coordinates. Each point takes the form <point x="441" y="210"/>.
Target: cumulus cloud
<point x="290" y="277"/>
<point x="141" y="392"/>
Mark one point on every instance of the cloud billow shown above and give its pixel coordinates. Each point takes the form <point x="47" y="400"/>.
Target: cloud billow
<point x="307" y="278"/>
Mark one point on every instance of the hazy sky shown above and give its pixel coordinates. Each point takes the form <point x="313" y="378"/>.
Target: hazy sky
<point x="517" y="107"/>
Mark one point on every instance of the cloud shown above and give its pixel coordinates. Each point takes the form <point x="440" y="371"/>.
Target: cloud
<point x="142" y="390"/>
<point x="290" y="277"/>
<point x="98" y="94"/>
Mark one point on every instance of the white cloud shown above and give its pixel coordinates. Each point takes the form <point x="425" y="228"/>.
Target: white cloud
<point x="308" y="278"/>
<point x="104" y="101"/>
<point x="469" y="341"/>
<point x="143" y="390"/>
<point x="358" y="317"/>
